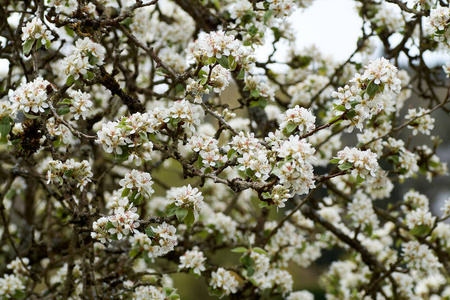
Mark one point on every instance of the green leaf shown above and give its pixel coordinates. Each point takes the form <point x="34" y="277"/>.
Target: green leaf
<point x="290" y="127"/>
<point x="345" y="166"/>
<point x="88" y="75"/>
<point x="5" y="126"/>
<point x="29" y="116"/>
<point x="190" y="218"/>
<point x="253" y="30"/>
<point x="231" y="153"/>
<point x="179" y="88"/>
<point x="420" y="230"/>
<point x="255" y="94"/>
<point x="65" y="101"/>
<point x="143" y="136"/>
<point x="127" y="21"/>
<point x="340" y="108"/>
<point x="239" y="250"/>
<point x="260" y="250"/>
<point x="263" y="204"/>
<point x="47" y="44"/>
<point x="70" y="80"/>
<point x="134" y="252"/>
<point x="372" y="89"/>
<point x="171" y="209"/>
<point x="125" y="192"/>
<point x="262" y="102"/>
<point x="149" y="232"/>
<point x="241" y="75"/>
<point x="38" y="44"/>
<point x="359" y="179"/>
<point x="223" y="61"/>
<point x="254" y="103"/>
<point x="19" y="294"/>
<point x="181" y="213"/>
<point x="27" y="46"/>
<point x="232" y="63"/>
<point x="335" y="161"/>
<point x="109" y="225"/>
<point x="351" y="114"/>
<point x="247" y="261"/>
<point x="267" y="15"/>
<point x="63" y="110"/>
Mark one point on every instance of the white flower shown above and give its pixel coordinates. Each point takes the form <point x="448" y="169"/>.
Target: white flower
<point x="364" y="162"/>
<point x="35" y="29"/>
<point x="186" y="197"/>
<point x="31" y="97"/>
<point x="80" y="172"/>
<point x="193" y="259"/>
<point x="80" y="104"/>
<point x="148" y="292"/>
<point x="138" y="181"/>
<point x="301" y="119"/>
<point x="419" y="257"/>
<point x="9" y="284"/>
<point x="224" y="280"/>
<point x="423" y="122"/>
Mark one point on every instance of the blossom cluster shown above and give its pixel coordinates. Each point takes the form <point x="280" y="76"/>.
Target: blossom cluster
<point x="224" y="280"/>
<point x="70" y="170"/>
<point x="370" y="94"/>
<point x="31" y="97"/>
<point x="85" y="56"/>
<point x="193" y="259"/>
<point x="438" y="24"/>
<point x="122" y="222"/>
<point x="139" y="182"/>
<point x="33" y="31"/>
<point x="80" y="104"/>
<point x="362" y="163"/>
<point x="210" y="47"/>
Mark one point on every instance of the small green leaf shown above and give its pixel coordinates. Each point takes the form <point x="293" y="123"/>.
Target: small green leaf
<point x="223" y="61"/>
<point x="262" y="102"/>
<point x="27" y="46"/>
<point x="70" y="80"/>
<point x="143" y="136"/>
<point x="335" y="161"/>
<point x="109" y="226"/>
<point x="260" y="250"/>
<point x="5" y="126"/>
<point x="290" y="127"/>
<point x="253" y="30"/>
<point x="149" y="232"/>
<point x="231" y="153"/>
<point x="29" y="116"/>
<point x="63" y="110"/>
<point x="125" y="192"/>
<point x="359" y="179"/>
<point x="239" y="250"/>
<point x="372" y="89"/>
<point x="134" y="252"/>
<point x="179" y="88"/>
<point x="19" y="294"/>
<point x="181" y="213"/>
<point x="190" y="218"/>
<point x="47" y="44"/>
<point x="267" y="15"/>
<point x="420" y="230"/>
<point x="255" y="94"/>
<point x="65" y="101"/>
<point x="171" y="209"/>
<point x="38" y="44"/>
<point x="232" y="63"/>
<point x="345" y="166"/>
<point x="263" y="204"/>
<point x="340" y="108"/>
<point x="127" y="21"/>
<point x="241" y="75"/>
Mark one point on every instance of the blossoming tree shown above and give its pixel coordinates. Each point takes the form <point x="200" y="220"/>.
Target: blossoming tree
<point x="126" y="160"/>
